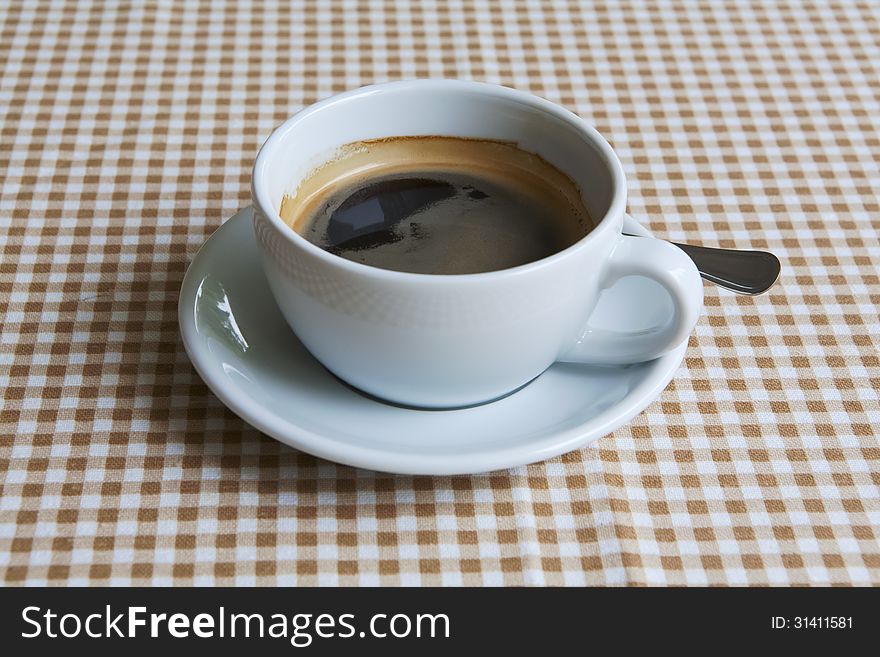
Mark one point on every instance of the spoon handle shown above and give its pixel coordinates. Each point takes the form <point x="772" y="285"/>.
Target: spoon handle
<point x="743" y="272"/>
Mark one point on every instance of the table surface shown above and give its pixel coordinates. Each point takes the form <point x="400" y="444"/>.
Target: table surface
<point x="128" y="132"/>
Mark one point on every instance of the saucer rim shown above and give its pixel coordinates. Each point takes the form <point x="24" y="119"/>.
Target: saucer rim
<point x="657" y="376"/>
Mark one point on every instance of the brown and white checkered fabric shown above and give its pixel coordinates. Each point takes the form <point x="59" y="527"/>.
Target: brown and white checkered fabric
<point x="128" y="132"/>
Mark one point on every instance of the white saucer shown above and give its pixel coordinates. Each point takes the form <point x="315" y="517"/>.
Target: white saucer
<point x="244" y="350"/>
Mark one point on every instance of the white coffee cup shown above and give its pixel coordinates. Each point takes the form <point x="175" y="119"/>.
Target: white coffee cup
<point x="443" y="341"/>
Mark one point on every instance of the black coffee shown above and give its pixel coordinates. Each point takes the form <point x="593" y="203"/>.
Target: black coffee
<point x="434" y="205"/>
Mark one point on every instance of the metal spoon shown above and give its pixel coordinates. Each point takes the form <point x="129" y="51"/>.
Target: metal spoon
<point x="743" y="272"/>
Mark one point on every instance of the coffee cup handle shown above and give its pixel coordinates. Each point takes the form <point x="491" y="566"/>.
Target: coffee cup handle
<point x="671" y="268"/>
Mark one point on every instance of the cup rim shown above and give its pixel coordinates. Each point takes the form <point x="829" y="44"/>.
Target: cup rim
<point x="615" y="209"/>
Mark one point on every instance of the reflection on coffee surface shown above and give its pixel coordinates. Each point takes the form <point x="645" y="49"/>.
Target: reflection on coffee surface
<point x="438" y="205"/>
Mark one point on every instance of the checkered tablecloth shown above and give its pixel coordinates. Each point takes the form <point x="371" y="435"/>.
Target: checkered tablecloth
<point x="128" y="133"/>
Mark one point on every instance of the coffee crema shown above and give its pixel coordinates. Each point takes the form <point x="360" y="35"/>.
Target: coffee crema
<point x="438" y="205"/>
